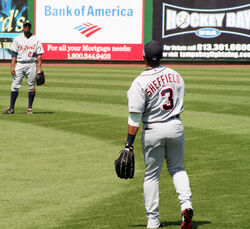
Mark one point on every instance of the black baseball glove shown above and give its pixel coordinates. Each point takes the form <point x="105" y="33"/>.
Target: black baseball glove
<point x="40" y="78"/>
<point x="125" y="163"/>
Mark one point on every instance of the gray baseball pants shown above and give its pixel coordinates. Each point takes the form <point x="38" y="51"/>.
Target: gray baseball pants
<point x="160" y="141"/>
<point x="22" y="70"/>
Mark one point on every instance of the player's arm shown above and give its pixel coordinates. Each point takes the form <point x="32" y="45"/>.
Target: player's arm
<point x="39" y="52"/>
<point x="13" y="63"/>
<point x="136" y="104"/>
<point x="39" y="63"/>
<point x="14" y="53"/>
<point x="134" y="120"/>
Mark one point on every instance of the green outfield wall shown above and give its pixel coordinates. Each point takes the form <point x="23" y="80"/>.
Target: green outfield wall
<point x="148" y="21"/>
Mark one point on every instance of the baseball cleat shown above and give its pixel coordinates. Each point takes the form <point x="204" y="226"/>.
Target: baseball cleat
<point x="161" y="225"/>
<point x="29" y="111"/>
<point x="188" y="215"/>
<point x="9" y="111"/>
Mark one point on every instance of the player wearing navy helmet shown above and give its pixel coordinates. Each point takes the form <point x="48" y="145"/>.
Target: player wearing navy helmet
<point x="156" y="98"/>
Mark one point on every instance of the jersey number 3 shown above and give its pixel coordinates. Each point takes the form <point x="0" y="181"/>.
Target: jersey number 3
<point x="168" y="93"/>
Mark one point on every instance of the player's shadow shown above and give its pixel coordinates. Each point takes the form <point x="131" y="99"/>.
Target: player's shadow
<point x="196" y="224"/>
<point x="44" y="112"/>
<point x="36" y="112"/>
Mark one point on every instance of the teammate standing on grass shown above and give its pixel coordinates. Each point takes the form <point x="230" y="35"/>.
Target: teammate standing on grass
<point x="26" y="61"/>
<point x="156" y="98"/>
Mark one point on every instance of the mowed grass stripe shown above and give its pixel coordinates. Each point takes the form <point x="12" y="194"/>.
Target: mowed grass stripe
<point x="74" y="81"/>
<point x="218" y="108"/>
<point x="216" y="86"/>
<point x="46" y="106"/>
<point x="76" y="91"/>
<point x="91" y="69"/>
<point x="82" y="123"/>
<point x="218" y="82"/>
<point x="210" y="92"/>
<point x="238" y="76"/>
<point x="105" y="98"/>
<point x="212" y="72"/>
<point x="56" y="187"/>
<point x="84" y="68"/>
<point x="220" y="161"/>
<point x="224" y="123"/>
<point x="95" y="75"/>
<point x="77" y="85"/>
<point x="217" y="99"/>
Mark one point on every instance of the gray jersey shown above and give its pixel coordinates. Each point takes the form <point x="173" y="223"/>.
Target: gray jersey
<point x="157" y="93"/>
<point x="27" y="48"/>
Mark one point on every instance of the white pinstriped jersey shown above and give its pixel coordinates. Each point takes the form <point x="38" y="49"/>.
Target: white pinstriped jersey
<point x="27" y="48"/>
<point x="157" y="93"/>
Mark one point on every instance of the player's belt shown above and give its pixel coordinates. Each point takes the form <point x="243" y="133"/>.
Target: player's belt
<point x="26" y="62"/>
<point x="146" y="127"/>
<point x="174" y="117"/>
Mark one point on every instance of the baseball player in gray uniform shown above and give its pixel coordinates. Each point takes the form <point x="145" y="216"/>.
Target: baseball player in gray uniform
<point x="26" y="61"/>
<point x="156" y="98"/>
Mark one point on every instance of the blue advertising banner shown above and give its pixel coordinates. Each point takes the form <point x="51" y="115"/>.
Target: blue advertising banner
<point x="12" y="15"/>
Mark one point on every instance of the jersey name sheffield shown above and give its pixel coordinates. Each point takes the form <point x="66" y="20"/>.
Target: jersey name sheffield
<point x="157" y="93"/>
<point x="162" y="80"/>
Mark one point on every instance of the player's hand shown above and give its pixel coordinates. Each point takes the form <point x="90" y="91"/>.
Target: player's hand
<point x="13" y="72"/>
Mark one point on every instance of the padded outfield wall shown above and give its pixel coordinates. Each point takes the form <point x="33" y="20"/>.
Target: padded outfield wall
<point x="208" y="30"/>
<point x="114" y="30"/>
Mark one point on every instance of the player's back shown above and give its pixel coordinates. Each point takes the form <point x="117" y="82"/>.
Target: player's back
<point x="164" y="93"/>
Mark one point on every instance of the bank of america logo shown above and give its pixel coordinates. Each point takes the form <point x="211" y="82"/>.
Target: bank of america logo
<point x="87" y="29"/>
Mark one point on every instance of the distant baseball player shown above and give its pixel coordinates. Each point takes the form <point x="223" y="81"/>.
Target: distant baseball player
<point x="26" y="61"/>
<point x="156" y="98"/>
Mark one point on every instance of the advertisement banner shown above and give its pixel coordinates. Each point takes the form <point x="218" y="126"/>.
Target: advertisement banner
<point x="207" y="30"/>
<point x="90" y="30"/>
<point x="12" y="15"/>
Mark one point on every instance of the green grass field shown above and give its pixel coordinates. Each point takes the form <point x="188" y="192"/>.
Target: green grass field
<point x="57" y="165"/>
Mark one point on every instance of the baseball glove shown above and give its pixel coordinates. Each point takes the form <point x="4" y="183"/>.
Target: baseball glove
<point x="40" y="78"/>
<point x="125" y="163"/>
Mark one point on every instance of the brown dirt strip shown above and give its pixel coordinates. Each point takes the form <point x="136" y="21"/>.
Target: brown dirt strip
<point x="143" y="65"/>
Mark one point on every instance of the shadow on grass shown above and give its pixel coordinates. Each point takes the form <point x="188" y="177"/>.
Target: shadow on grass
<point x="196" y="224"/>
<point x="34" y="113"/>
<point x="45" y="112"/>
<point x="73" y="122"/>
